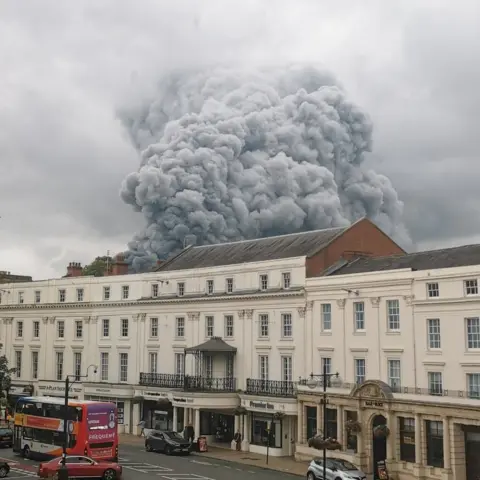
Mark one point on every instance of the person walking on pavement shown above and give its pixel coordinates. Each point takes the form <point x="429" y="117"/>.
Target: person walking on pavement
<point x="238" y="440"/>
<point x="142" y="427"/>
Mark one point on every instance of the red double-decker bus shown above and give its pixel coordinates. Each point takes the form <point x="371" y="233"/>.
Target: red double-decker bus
<point x="39" y="428"/>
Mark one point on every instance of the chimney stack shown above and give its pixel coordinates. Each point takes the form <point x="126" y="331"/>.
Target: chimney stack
<point x="74" y="269"/>
<point x="119" y="266"/>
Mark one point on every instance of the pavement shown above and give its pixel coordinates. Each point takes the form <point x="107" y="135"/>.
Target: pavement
<point x="244" y="459"/>
<point x="141" y="465"/>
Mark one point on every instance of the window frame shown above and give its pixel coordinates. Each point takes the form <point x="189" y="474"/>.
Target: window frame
<point x="323" y="315"/>
<point x="285" y="325"/>
<point x="397" y="361"/>
<point x="264" y="327"/>
<point x="263" y="282"/>
<point x="431" y="334"/>
<point x="229" y="329"/>
<point x="286" y="280"/>
<point x="393" y="318"/>
<point x="359" y="317"/>
<point x="470" y="287"/>
<point x="356" y="375"/>
<point x="433" y="290"/>
<point x="105" y="328"/>
<point x="180" y="327"/>
<point x="124" y="327"/>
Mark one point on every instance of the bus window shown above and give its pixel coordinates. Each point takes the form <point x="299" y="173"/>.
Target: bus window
<point x="27" y="433"/>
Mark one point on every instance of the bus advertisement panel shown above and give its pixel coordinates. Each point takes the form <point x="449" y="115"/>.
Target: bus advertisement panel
<point x="91" y="428"/>
<point x="101" y="429"/>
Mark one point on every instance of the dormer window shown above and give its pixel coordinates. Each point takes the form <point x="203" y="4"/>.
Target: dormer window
<point x="229" y="285"/>
<point x="209" y="287"/>
<point x="180" y="289"/>
<point x="263" y="282"/>
<point x="155" y="290"/>
<point x="286" y="281"/>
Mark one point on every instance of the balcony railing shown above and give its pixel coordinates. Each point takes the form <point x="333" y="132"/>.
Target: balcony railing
<point x="270" y="388"/>
<point x="188" y="383"/>
<point x="432" y="392"/>
<point x="205" y="384"/>
<point x="165" y="380"/>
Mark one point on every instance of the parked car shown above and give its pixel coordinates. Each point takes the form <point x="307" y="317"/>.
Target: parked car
<point x="6" y="437"/>
<point x="167" y="442"/>
<point x="81" y="467"/>
<point x="4" y="469"/>
<point x="336" y="469"/>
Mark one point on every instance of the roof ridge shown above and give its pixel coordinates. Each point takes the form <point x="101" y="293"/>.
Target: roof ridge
<point x="246" y="240"/>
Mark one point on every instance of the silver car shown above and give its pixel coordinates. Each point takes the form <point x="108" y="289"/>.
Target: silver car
<point x="337" y="469"/>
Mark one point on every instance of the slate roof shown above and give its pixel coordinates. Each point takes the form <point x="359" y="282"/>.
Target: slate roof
<point x="269" y="248"/>
<point x="214" y="344"/>
<point x="428" y="260"/>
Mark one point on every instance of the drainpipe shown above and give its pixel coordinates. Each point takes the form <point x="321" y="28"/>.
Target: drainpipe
<point x="379" y="353"/>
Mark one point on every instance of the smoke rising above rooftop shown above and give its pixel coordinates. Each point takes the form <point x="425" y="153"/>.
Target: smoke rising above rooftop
<point x="230" y="154"/>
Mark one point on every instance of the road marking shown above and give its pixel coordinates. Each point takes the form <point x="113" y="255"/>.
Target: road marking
<point x="146" y="467"/>
<point x="200" y="463"/>
<point x="185" y="476"/>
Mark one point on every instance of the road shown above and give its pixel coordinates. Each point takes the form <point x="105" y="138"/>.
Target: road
<point x="140" y="465"/>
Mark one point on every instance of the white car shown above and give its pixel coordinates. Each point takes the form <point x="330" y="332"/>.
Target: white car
<point x="336" y="469"/>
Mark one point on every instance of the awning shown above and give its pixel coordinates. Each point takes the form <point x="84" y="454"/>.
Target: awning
<point x="213" y="345"/>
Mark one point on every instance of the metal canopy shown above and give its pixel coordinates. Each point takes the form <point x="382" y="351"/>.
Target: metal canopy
<point x="213" y="345"/>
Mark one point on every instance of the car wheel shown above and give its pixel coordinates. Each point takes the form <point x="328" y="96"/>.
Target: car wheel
<point x="338" y="478"/>
<point x="148" y="447"/>
<point x="4" y="471"/>
<point x="109" y="474"/>
<point x="310" y="476"/>
<point x="26" y="452"/>
<point x="168" y="450"/>
<point x="55" y="476"/>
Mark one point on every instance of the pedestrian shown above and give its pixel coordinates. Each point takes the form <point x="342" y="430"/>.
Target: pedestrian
<point x="142" y="424"/>
<point x="238" y="440"/>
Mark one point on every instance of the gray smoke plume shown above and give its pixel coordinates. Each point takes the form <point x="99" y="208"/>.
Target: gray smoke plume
<point x="232" y="154"/>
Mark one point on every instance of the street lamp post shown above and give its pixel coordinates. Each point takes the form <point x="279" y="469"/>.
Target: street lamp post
<point x="63" y="471"/>
<point x="312" y="383"/>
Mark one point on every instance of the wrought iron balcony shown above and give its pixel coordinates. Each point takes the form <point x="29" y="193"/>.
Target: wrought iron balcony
<point x="205" y="384"/>
<point x="165" y="380"/>
<point x="270" y="388"/>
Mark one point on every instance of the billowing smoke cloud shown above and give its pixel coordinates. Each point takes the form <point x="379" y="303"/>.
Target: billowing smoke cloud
<point x="231" y="154"/>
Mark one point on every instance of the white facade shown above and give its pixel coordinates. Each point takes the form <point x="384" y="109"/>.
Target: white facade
<point x="417" y="331"/>
<point x="141" y="324"/>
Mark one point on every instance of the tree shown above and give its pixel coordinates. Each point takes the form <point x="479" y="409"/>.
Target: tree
<point x="98" y="266"/>
<point x="5" y="378"/>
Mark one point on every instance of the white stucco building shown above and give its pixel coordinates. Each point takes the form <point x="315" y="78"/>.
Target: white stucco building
<point x="404" y="335"/>
<point x="219" y="336"/>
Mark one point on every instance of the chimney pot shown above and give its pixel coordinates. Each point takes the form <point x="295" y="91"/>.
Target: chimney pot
<point x="74" y="269"/>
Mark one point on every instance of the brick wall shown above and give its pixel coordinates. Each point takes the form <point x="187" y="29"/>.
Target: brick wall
<point x="363" y="238"/>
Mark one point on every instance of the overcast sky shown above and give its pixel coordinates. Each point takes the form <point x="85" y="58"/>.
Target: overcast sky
<point x="67" y="67"/>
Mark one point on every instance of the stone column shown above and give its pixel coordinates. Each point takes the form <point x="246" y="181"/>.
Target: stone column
<point x="341" y="426"/>
<point x="418" y="440"/>
<point x="391" y="439"/>
<point x="136" y="418"/>
<point x="320" y="420"/>
<point x="237" y="424"/>
<point x="175" y="419"/>
<point x="447" y="463"/>
<point x="362" y="434"/>
<point x="246" y="433"/>
<point x="299" y="421"/>
<point x="185" y="417"/>
<point x="197" y="422"/>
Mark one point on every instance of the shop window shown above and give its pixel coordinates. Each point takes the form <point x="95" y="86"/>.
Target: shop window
<point x="351" y="436"/>
<point x="331" y="415"/>
<point x="266" y="431"/>
<point x="434" y="444"/>
<point x="311" y="414"/>
<point x="407" y="439"/>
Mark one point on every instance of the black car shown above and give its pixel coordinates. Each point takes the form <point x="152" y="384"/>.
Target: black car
<point x="6" y="437"/>
<point x="167" y="442"/>
<point x="4" y="469"/>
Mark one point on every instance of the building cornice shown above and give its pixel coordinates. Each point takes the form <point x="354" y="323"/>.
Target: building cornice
<point x="153" y="301"/>
<point x="446" y="301"/>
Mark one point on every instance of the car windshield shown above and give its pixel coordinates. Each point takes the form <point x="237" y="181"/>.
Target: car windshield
<point x="342" y="465"/>
<point x="174" y="435"/>
<point x="5" y="431"/>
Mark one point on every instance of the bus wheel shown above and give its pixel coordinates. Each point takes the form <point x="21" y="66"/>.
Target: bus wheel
<point x="4" y="471"/>
<point x="26" y="452"/>
<point x="109" y="474"/>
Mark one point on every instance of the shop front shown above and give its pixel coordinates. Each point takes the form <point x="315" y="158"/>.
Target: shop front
<point x="17" y="391"/>
<point x="57" y="389"/>
<point x="269" y="425"/>
<point x="157" y="410"/>
<point x="120" y="395"/>
<point x="414" y="435"/>
<point x="211" y="415"/>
